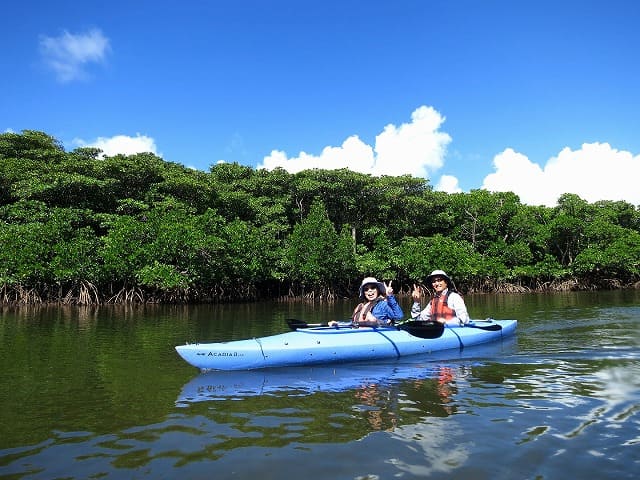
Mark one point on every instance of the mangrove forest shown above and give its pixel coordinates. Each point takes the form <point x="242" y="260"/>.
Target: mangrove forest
<point x="78" y="227"/>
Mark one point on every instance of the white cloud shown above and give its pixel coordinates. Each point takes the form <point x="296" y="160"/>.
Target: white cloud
<point x="353" y="153"/>
<point x="448" y="184"/>
<point x="121" y="144"/>
<point x="416" y="148"/>
<point x="69" y="54"/>
<point x="594" y="172"/>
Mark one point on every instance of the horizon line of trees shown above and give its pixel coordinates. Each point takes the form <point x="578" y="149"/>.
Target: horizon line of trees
<point x="80" y="228"/>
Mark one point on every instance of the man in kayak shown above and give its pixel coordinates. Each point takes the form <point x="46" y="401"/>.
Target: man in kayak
<point x="378" y="306"/>
<point x="446" y="306"/>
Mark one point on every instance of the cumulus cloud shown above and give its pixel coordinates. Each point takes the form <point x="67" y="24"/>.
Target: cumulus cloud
<point x="594" y="172"/>
<point x="448" y="184"/>
<point x="416" y="148"/>
<point x="121" y="144"/>
<point x="69" y="54"/>
<point x="353" y="153"/>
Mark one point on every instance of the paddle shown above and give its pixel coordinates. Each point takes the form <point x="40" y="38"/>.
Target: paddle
<point x="417" y="328"/>
<point x="492" y="328"/>
<point x="424" y="324"/>
<point x="422" y="329"/>
<point x="426" y="329"/>
<point x="295" y="324"/>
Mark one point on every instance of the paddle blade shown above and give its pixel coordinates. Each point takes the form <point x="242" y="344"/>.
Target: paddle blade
<point x="295" y="324"/>
<point x="422" y="329"/>
<point x="492" y="328"/>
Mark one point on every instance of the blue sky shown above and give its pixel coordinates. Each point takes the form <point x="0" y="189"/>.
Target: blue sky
<point x="535" y="97"/>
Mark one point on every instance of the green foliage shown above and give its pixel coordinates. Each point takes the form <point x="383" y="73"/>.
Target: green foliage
<point x="25" y="254"/>
<point x="50" y="249"/>
<point x="162" y="276"/>
<point x="375" y="254"/>
<point x="572" y="215"/>
<point x="314" y="254"/>
<point x="132" y="176"/>
<point x="418" y="257"/>
<point x="188" y="186"/>
<point x="79" y="225"/>
<point x="239" y="260"/>
<point x="64" y="190"/>
<point x="74" y="259"/>
<point x="24" y="211"/>
<point x="30" y="145"/>
<point x="612" y="252"/>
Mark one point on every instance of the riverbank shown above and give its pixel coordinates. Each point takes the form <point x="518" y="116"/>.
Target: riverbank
<point x="88" y="294"/>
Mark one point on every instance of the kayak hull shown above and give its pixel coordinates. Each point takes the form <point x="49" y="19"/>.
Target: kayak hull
<point x="321" y="345"/>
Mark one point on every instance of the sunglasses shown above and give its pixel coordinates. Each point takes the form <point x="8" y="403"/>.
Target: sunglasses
<point x="437" y="280"/>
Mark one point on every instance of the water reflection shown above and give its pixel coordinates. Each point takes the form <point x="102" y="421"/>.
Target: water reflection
<point x="325" y="405"/>
<point x="101" y="394"/>
<point x="425" y="418"/>
<point x="434" y="452"/>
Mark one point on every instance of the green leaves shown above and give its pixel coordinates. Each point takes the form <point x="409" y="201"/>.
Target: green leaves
<point x="315" y="255"/>
<point x="155" y="230"/>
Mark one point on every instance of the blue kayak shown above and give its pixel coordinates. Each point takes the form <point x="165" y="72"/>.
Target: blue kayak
<point x="324" y="344"/>
<point x="307" y="380"/>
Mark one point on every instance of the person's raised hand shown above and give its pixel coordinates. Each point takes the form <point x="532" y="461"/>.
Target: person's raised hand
<point x="389" y="288"/>
<point x="416" y="294"/>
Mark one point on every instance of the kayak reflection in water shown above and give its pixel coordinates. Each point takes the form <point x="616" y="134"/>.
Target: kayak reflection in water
<point x="446" y="387"/>
<point x="442" y="387"/>
<point x="376" y="405"/>
<point x="379" y="402"/>
<point x="378" y="306"/>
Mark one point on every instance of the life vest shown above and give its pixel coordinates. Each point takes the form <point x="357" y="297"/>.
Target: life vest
<point x="360" y="313"/>
<point x="441" y="309"/>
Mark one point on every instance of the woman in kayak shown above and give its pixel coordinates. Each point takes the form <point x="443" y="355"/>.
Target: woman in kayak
<point x="378" y="306"/>
<point x="446" y="306"/>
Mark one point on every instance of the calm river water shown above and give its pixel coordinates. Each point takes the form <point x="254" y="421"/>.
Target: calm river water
<point x="100" y="393"/>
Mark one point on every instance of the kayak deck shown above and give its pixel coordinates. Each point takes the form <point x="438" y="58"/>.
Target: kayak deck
<point x="318" y="345"/>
